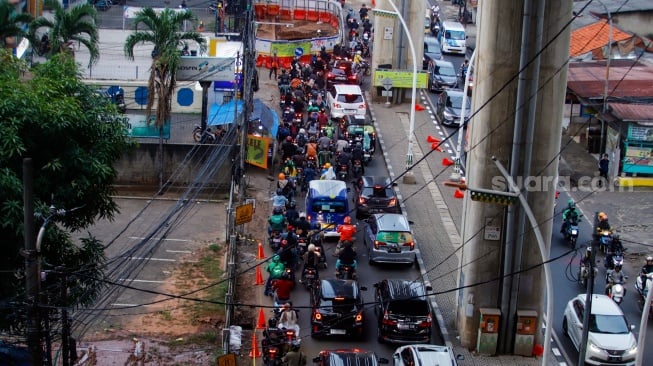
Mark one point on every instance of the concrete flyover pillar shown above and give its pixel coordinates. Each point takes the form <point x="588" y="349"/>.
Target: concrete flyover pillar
<point x="491" y="134"/>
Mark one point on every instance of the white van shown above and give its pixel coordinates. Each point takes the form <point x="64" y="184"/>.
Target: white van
<point x="345" y="99"/>
<point x="453" y="38"/>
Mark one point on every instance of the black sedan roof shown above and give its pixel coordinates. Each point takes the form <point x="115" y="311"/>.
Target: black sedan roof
<point x="332" y="288"/>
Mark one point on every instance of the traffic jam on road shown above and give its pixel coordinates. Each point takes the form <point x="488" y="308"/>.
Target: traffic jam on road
<point x="343" y="251"/>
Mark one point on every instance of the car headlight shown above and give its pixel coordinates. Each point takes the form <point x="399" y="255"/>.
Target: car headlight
<point x="594" y="348"/>
<point x="449" y="115"/>
<point x="632" y="351"/>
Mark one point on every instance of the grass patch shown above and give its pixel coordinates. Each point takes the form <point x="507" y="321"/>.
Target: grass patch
<point x="165" y="315"/>
<point x="211" y="272"/>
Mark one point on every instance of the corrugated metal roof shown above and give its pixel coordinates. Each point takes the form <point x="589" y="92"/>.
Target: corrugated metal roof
<point x="594" y="36"/>
<point x="632" y="112"/>
<point x="587" y="79"/>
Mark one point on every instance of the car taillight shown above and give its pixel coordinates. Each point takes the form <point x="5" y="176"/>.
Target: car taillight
<point x="317" y="315"/>
<point x="359" y="317"/>
<point x="377" y="244"/>
<point x="426" y="323"/>
<point x="272" y="350"/>
<point x="330" y="75"/>
<point x="362" y="106"/>
<point x="392" y="202"/>
<point x="308" y="217"/>
<point x="336" y="105"/>
<point x="387" y="320"/>
<point x="410" y="244"/>
<point x="362" y="200"/>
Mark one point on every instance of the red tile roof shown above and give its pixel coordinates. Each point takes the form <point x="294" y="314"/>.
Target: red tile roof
<point x="594" y="36"/>
<point x="587" y="79"/>
<point x="632" y="112"/>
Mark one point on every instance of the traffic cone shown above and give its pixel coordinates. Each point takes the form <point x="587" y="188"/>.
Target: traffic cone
<point x="255" y="352"/>
<point x="419" y="107"/>
<point x="261" y="324"/>
<point x="432" y="139"/>
<point x="434" y="146"/>
<point x="447" y="162"/>
<point x="458" y="194"/>
<point x="261" y="253"/>
<point x="259" y="276"/>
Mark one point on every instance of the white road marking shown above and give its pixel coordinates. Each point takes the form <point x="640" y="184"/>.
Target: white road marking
<point x="165" y="239"/>
<point x="180" y="251"/>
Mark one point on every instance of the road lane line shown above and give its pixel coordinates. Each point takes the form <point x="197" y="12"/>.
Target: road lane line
<point x="165" y="239"/>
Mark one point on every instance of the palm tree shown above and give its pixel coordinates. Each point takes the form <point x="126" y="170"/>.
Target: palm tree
<point x="164" y="32"/>
<point x="79" y="24"/>
<point x="11" y="22"/>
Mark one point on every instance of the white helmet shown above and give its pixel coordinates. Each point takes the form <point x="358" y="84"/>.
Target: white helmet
<point x="359" y="52"/>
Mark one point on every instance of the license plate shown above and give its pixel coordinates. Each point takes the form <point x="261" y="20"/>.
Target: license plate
<point x="394" y="249"/>
<point x="614" y="358"/>
<point x="405" y="326"/>
<point x="309" y="276"/>
<point x="337" y="331"/>
<point x="352" y="111"/>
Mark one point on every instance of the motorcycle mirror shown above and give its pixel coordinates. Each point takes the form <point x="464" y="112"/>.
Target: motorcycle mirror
<point x="363" y="288"/>
<point x="410" y="222"/>
<point x="632" y="327"/>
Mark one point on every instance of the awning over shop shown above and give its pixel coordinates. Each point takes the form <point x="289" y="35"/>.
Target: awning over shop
<point x="225" y="114"/>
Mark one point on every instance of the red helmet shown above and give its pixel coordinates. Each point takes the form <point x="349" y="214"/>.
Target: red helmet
<point x="289" y="138"/>
<point x="284" y="242"/>
<point x="347" y="220"/>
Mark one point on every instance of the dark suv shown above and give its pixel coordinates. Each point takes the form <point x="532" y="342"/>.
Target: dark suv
<point x="337" y="308"/>
<point x="375" y="195"/>
<point x="403" y="311"/>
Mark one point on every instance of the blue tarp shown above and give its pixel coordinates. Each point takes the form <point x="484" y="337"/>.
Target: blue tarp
<point x="268" y="117"/>
<point x="225" y="113"/>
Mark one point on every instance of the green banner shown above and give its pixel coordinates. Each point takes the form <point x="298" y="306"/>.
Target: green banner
<point x="138" y="127"/>
<point x="257" y="151"/>
<point x="400" y="78"/>
<point x="288" y="49"/>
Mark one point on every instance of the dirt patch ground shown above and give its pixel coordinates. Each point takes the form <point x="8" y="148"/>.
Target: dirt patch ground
<point x="301" y="29"/>
<point x="184" y="332"/>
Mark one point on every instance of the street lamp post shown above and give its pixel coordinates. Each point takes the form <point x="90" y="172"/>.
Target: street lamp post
<point x="607" y="73"/>
<point x="457" y="173"/>
<point x="408" y="177"/>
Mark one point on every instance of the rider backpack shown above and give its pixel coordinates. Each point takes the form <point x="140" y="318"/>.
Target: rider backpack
<point x="301" y="140"/>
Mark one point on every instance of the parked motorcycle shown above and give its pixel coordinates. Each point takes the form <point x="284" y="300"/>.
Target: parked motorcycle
<point x="207" y="136"/>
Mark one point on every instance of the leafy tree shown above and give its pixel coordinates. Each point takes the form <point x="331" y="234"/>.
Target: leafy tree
<point x="11" y="22"/>
<point x="73" y="135"/>
<point x="77" y="25"/>
<point x="164" y="32"/>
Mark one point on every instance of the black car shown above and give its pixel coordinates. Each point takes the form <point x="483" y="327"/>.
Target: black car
<point x="337" y="308"/>
<point x="449" y="107"/>
<point x="375" y="195"/>
<point x="355" y="356"/>
<point x="431" y="51"/>
<point x="403" y="311"/>
<point x="442" y="75"/>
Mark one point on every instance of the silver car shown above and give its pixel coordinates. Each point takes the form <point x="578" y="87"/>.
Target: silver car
<point x="389" y="240"/>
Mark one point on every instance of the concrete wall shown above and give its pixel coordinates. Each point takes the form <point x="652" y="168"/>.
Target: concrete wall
<point x="635" y="22"/>
<point x="140" y="167"/>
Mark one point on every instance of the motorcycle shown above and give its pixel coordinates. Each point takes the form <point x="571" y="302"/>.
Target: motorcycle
<point x="274" y="240"/>
<point x="617" y="292"/>
<point x="273" y="344"/>
<point x="343" y="172"/>
<point x="614" y="259"/>
<point x="644" y="291"/>
<point x="205" y="137"/>
<point x="583" y="273"/>
<point x="357" y="169"/>
<point x="309" y="277"/>
<point x="605" y="238"/>
<point x="302" y="244"/>
<point x="571" y="233"/>
<point x="365" y="66"/>
<point x="346" y="272"/>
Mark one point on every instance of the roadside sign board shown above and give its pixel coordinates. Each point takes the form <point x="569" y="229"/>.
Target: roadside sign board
<point x="227" y="360"/>
<point x="387" y="83"/>
<point x="244" y="213"/>
<point x="299" y="52"/>
<point x="206" y="68"/>
<point x="492" y="231"/>
<point x="400" y="78"/>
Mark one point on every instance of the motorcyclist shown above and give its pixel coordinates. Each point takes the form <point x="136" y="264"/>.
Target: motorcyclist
<point x="464" y="67"/>
<point x="603" y="223"/>
<point x="287" y="253"/>
<point x="363" y="11"/>
<point x="288" y="148"/>
<point x="358" y="154"/>
<point x="615" y="276"/>
<point x="288" y="319"/>
<point x="367" y="26"/>
<point x="327" y="172"/>
<point x="347" y="256"/>
<point x="294" y="357"/>
<point x="312" y="108"/>
<point x="287" y="186"/>
<point x="311" y="260"/>
<point x="646" y="269"/>
<point x="311" y="149"/>
<point x="569" y="215"/>
<point x="284" y="79"/>
<point x="324" y="143"/>
<point x="341" y="144"/>
<point x="309" y="175"/>
<point x="302" y="226"/>
<point x="358" y="59"/>
<point x="347" y="232"/>
<point x="330" y="129"/>
<point x="290" y="170"/>
<point x="276" y="222"/>
<point x="282" y="288"/>
<point x="344" y="158"/>
<point x="302" y="138"/>
<point x="279" y="200"/>
<point x="275" y="270"/>
<point x="292" y="214"/>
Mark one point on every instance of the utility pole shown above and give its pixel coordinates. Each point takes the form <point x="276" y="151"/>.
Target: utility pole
<point x="582" y="347"/>
<point x="65" y="325"/>
<point x="32" y="258"/>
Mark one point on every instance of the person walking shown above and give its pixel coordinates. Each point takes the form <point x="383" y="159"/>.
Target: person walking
<point x="604" y="164"/>
<point x="274" y="65"/>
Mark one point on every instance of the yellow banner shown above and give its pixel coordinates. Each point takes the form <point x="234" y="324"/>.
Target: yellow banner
<point x="288" y="49"/>
<point x="400" y="78"/>
<point x="257" y="151"/>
